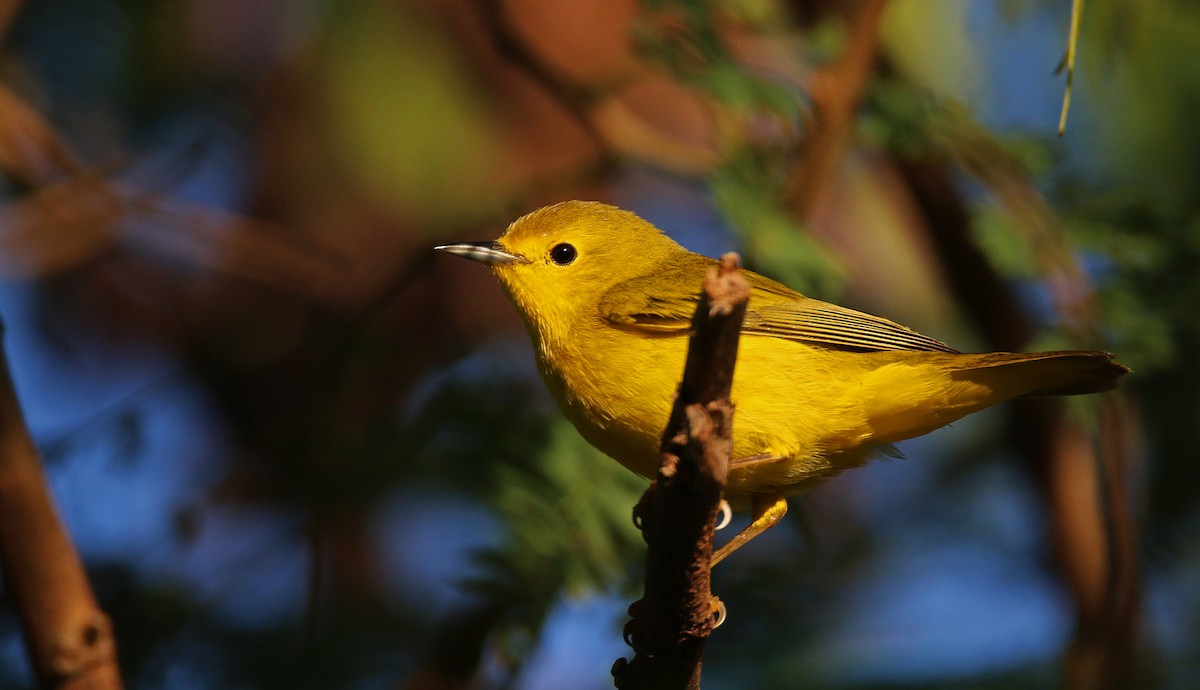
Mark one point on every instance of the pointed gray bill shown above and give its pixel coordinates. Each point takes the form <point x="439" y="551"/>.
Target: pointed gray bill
<point x="490" y="253"/>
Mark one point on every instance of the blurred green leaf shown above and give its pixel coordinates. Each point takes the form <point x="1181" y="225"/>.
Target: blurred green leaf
<point x="404" y="113"/>
<point x="896" y="117"/>
<point x="693" y="51"/>
<point x="566" y="508"/>
<point x="758" y="14"/>
<point x="772" y="241"/>
<point x="1008" y="250"/>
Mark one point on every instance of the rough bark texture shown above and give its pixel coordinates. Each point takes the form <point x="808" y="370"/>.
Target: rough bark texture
<point x="671" y="624"/>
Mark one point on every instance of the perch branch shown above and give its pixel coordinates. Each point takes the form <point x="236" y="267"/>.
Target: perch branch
<point x="671" y="624"/>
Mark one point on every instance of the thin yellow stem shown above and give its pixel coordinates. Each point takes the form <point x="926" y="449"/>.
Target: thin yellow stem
<point x="1072" y="42"/>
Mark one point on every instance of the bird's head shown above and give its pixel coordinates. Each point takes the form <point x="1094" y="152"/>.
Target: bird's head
<point x="557" y="262"/>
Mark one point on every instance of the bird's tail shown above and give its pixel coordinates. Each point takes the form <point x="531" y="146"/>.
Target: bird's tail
<point x="1065" y="372"/>
<point x="904" y="405"/>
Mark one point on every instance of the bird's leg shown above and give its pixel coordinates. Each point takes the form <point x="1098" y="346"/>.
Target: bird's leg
<point x="769" y="509"/>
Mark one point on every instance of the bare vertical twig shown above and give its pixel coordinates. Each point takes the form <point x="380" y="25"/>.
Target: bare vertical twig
<point x="677" y="513"/>
<point x="1068" y="63"/>
<point x="69" y="639"/>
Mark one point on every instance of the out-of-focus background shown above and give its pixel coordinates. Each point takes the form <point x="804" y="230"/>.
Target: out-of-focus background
<point x="296" y="448"/>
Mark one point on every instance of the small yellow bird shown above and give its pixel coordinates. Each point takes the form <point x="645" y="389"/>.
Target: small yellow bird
<point x="608" y="300"/>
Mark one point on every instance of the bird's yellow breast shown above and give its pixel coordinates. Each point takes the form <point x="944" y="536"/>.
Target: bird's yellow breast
<point x="814" y="408"/>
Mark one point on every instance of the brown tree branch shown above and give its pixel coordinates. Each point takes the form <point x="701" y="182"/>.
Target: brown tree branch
<point x="1089" y="516"/>
<point x="69" y="639"/>
<point x="836" y="90"/>
<point x="615" y="127"/>
<point x="575" y="99"/>
<point x="976" y="151"/>
<point x="677" y="513"/>
<point x="30" y="150"/>
<point x="8" y="10"/>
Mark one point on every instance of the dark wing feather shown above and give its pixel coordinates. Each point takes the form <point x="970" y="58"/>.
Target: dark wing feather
<point x="820" y="323"/>
<point x="656" y="304"/>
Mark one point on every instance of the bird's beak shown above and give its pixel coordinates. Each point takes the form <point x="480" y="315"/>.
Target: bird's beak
<point x="490" y="253"/>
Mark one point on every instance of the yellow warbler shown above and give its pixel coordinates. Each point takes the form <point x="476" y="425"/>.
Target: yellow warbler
<point x="608" y="301"/>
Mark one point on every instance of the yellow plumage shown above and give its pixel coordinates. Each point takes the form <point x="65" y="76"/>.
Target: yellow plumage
<point x="608" y="299"/>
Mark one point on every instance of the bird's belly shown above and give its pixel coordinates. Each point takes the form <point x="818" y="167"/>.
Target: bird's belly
<point x="802" y="407"/>
<point x="620" y="403"/>
<point x="794" y="403"/>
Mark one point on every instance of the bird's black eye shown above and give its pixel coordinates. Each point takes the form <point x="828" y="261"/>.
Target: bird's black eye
<point x="563" y="254"/>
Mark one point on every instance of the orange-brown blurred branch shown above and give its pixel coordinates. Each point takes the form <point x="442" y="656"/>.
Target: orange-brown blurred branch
<point x="1086" y="488"/>
<point x="73" y="214"/>
<point x="574" y="98"/>
<point x="69" y="639"/>
<point x="30" y="150"/>
<point x="8" y="9"/>
<point x="1089" y="515"/>
<point x="598" y="108"/>
<point x="836" y="90"/>
<point x="977" y="152"/>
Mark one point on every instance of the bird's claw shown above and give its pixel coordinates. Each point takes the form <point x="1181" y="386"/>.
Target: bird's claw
<point x="719" y="612"/>
<point x="726" y="514"/>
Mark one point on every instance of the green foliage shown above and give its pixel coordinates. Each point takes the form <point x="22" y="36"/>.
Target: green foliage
<point x="571" y="507"/>
<point x="1135" y="287"/>
<point x="746" y="191"/>
<point x="749" y="185"/>
<point x="826" y="41"/>
<point x="758" y="14"/>
<point x="896" y="117"/>
<point x="992" y="229"/>
<point x="408" y="126"/>
<point x="686" y="42"/>
<point x="690" y="47"/>
<point x="566" y="509"/>
<point x="732" y="85"/>
<point x="911" y="122"/>
<point x="1138" y="259"/>
<point x="1137" y="206"/>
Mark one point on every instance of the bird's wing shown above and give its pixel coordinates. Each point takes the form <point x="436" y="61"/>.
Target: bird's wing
<point x="820" y="323"/>
<point x="654" y="304"/>
<point x="629" y="305"/>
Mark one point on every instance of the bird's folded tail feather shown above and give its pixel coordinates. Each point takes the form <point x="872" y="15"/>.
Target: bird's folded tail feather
<point x="1067" y="372"/>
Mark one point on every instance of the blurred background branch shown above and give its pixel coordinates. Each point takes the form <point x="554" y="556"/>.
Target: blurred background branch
<point x="69" y="640"/>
